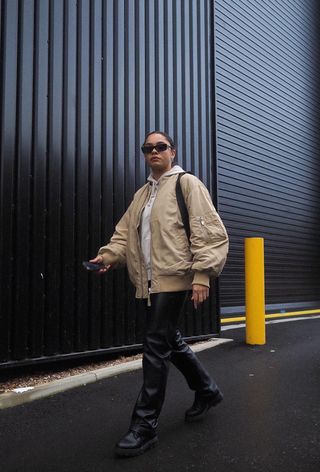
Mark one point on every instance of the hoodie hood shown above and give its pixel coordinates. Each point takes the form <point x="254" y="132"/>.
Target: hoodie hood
<point x="175" y="170"/>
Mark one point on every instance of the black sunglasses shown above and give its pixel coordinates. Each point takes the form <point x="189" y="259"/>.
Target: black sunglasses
<point x="158" y="147"/>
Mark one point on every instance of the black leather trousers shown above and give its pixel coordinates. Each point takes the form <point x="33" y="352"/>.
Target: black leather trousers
<point x="163" y="343"/>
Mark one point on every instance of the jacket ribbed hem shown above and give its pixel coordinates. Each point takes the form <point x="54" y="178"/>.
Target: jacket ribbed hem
<point x="172" y="283"/>
<point x="176" y="283"/>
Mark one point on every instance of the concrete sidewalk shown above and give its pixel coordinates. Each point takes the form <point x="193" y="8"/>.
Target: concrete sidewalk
<point x="29" y="394"/>
<point x="269" y="420"/>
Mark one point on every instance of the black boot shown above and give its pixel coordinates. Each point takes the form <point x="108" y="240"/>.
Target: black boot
<point x="201" y="405"/>
<point x="135" y="443"/>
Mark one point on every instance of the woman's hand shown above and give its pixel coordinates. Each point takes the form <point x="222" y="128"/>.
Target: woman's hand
<point x="99" y="260"/>
<point x="199" y="294"/>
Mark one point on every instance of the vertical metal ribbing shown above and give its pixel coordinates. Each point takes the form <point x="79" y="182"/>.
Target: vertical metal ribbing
<point x="81" y="84"/>
<point x="69" y="269"/>
<point x="39" y="173"/>
<point x="9" y="40"/>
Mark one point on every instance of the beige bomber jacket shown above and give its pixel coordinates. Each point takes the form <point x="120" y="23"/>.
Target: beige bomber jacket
<point x="176" y="263"/>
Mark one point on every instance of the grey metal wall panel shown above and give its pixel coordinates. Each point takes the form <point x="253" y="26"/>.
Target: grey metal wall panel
<point x="268" y="116"/>
<point x="81" y="82"/>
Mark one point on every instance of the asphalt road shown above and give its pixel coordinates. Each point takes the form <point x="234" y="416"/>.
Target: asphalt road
<point x="269" y="420"/>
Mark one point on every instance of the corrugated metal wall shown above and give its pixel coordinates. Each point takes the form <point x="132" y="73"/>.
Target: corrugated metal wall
<point x="81" y="83"/>
<point x="268" y="117"/>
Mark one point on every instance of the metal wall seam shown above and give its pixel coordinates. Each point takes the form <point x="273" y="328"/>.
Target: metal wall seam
<point x="9" y="35"/>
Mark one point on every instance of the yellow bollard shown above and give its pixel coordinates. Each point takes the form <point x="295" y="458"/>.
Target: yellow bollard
<point x="255" y="303"/>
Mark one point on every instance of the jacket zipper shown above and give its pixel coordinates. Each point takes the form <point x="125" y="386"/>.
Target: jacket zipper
<point x="149" y="299"/>
<point x="149" y="288"/>
<point x="140" y="249"/>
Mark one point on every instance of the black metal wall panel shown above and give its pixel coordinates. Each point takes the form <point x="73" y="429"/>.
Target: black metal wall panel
<point x="268" y="117"/>
<point x="81" y="82"/>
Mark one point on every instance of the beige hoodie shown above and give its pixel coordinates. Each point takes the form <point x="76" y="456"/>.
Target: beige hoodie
<point x="176" y="263"/>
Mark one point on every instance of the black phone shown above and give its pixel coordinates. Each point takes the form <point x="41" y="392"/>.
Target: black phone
<point x="91" y="266"/>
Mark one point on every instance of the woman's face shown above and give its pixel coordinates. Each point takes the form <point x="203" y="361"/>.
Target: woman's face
<point x="159" y="161"/>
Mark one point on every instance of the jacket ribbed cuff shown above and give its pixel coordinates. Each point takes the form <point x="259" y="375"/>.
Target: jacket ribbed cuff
<point x="201" y="278"/>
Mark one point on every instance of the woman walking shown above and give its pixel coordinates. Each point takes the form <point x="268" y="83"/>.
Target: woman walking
<point x="164" y="265"/>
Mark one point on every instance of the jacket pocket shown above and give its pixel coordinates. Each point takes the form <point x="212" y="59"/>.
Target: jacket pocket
<point x="210" y="227"/>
